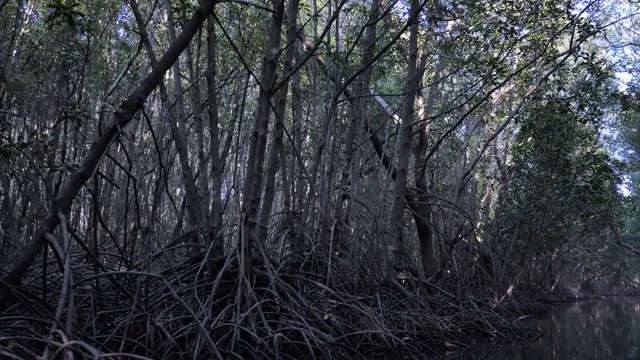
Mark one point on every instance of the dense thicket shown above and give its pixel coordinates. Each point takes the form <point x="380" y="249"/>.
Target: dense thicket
<point x="284" y="179"/>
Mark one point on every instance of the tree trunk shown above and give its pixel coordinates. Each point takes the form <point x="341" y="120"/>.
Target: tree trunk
<point x="178" y="132"/>
<point x="252" y="193"/>
<point x="278" y="133"/>
<point x="393" y="240"/>
<point x="215" y="215"/>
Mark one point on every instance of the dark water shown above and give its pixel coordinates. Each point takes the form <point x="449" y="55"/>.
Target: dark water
<point x="601" y="329"/>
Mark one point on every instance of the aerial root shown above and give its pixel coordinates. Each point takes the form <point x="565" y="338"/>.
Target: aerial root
<point x="267" y="313"/>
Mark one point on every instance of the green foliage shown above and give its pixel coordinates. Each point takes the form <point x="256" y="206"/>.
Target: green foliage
<point x="629" y="145"/>
<point x="630" y="122"/>
<point x="67" y="13"/>
<point x="562" y="194"/>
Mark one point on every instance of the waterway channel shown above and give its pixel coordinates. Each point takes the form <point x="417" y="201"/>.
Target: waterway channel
<point x="604" y="329"/>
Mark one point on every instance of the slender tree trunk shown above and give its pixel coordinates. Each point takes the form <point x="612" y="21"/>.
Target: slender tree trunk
<point x="298" y="174"/>
<point x="196" y="98"/>
<point x="215" y="215"/>
<point x="278" y="133"/>
<point x="394" y="245"/>
<point x="359" y="113"/>
<point x="178" y="132"/>
<point x="252" y="193"/>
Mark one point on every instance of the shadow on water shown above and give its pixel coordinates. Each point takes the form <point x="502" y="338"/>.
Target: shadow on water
<point x="600" y="329"/>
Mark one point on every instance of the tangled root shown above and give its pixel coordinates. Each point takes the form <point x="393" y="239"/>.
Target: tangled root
<point x="261" y="313"/>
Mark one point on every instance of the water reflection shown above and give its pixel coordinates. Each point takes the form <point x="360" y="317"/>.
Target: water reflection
<point x="602" y="329"/>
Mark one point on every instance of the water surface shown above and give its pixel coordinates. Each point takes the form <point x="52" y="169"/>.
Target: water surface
<point x="601" y="329"/>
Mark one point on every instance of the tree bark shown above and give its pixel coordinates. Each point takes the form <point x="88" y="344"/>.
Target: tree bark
<point x="215" y="215"/>
<point x="393" y="240"/>
<point x="278" y="132"/>
<point x="178" y="132"/>
<point x="252" y="193"/>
